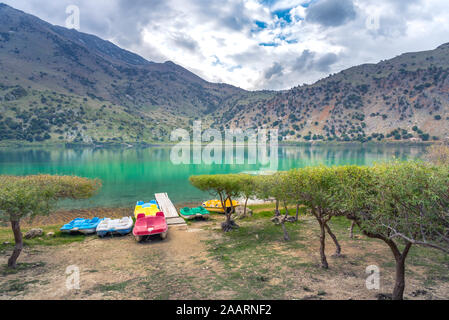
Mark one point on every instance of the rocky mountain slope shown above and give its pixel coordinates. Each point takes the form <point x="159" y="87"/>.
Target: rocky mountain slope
<point x="61" y="85"/>
<point x="61" y="80"/>
<point x="405" y="98"/>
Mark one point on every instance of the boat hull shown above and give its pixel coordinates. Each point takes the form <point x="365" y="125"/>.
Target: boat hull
<point x="192" y="213"/>
<point x="80" y="225"/>
<point x="215" y="205"/>
<point x="115" y="226"/>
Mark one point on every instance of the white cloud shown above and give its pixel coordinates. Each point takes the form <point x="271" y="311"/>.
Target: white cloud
<point x="220" y="41"/>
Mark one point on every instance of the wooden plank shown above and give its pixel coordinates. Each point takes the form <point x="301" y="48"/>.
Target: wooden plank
<point x="175" y="221"/>
<point x="166" y="205"/>
<point x="171" y="214"/>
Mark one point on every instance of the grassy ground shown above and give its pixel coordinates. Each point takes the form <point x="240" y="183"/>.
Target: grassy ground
<point x="201" y="262"/>
<point x="7" y="238"/>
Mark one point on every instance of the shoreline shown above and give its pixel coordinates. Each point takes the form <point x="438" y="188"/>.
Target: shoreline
<point x="129" y="145"/>
<point x="62" y="216"/>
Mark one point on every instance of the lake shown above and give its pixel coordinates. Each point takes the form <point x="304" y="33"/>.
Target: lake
<point x="131" y="174"/>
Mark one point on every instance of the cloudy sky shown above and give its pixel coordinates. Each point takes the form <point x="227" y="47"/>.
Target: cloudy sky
<point x="259" y="44"/>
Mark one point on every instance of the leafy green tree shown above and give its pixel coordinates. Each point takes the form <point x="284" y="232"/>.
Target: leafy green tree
<point x="402" y="204"/>
<point x="247" y="189"/>
<point x="314" y="187"/>
<point x="225" y="187"/>
<point x="275" y="187"/>
<point x="28" y="196"/>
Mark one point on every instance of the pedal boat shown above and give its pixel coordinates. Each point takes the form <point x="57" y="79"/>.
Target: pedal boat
<point x="192" y="213"/>
<point x="215" y="205"/>
<point x="84" y="226"/>
<point x="146" y="226"/>
<point x="149" y="209"/>
<point x="115" y="226"/>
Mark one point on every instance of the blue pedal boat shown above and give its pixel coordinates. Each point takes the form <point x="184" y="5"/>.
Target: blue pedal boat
<point x="85" y="226"/>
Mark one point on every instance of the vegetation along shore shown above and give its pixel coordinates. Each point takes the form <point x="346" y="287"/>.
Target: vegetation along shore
<point x="322" y="228"/>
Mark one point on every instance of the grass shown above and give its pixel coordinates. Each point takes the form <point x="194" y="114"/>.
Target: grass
<point x="59" y="238"/>
<point x="256" y="254"/>
<point x="119" y="286"/>
<point x="254" y="262"/>
<point x="4" y="270"/>
<point x="16" y="286"/>
<point x="251" y="252"/>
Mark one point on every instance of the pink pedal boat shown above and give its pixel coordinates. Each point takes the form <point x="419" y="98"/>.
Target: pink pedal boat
<point x="146" y="226"/>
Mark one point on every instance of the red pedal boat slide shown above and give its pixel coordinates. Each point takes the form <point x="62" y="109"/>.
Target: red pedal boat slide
<point x="150" y="225"/>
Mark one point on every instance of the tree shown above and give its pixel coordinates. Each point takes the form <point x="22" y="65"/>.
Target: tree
<point x="29" y="196"/>
<point x="275" y="186"/>
<point x="402" y="204"/>
<point x="247" y="189"/>
<point x="315" y="188"/>
<point x="225" y="187"/>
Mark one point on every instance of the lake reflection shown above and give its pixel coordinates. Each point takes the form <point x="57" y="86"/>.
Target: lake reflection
<point x="135" y="174"/>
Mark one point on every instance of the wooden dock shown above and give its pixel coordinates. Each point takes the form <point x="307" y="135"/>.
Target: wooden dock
<point x="167" y="207"/>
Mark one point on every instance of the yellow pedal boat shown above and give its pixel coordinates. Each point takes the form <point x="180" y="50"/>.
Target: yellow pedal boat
<point x="149" y="209"/>
<point x="215" y="205"/>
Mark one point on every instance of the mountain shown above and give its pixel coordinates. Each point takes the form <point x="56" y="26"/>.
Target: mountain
<point x="57" y="83"/>
<point x="62" y="85"/>
<point x="405" y="98"/>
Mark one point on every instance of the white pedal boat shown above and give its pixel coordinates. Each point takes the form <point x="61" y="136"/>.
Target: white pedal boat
<point x="115" y="226"/>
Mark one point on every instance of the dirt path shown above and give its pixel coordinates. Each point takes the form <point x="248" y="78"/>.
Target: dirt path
<point x="200" y="262"/>
<point x="111" y="263"/>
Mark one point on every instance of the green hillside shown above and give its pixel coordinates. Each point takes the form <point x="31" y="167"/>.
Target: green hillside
<point x="59" y="85"/>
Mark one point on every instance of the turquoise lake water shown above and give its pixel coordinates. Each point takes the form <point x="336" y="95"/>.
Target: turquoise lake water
<point x="135" y="174"/>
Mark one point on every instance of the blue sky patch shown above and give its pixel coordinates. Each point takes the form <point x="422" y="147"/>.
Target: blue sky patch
<point x="268" y="3"/>
<point x="268" y="44"/>
<point x="261" y="24"/>
<point x="307" y="4"/>
<point x="283" y="14"/>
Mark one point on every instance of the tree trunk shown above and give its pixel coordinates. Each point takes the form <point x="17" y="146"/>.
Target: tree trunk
<point x="324" y="263"/>
<point x="229" y="224"/>
<point x="232" y="205"/>
<point x="244" y="208"/>
<point x="399" y="285"/>
<point x="337" y="245"/>
<point x="351" y="230"/>
<point x="223" y="203"/>
<point x="276" y="211"/>
<point x="297" y="212"/>
<point x="12" y="262"/>
<point x="286" y="236"/>
<point x="286" y="209"/>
